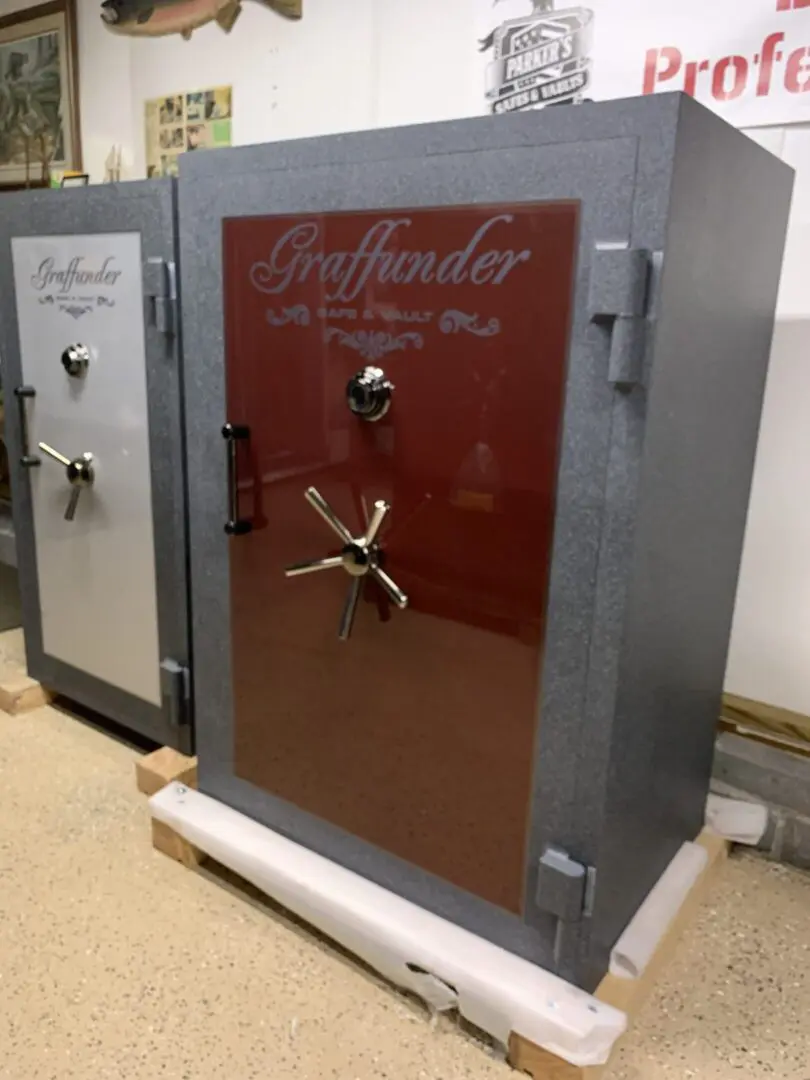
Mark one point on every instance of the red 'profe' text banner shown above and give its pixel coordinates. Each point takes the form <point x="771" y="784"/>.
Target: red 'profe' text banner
<point x="749" y="60"/>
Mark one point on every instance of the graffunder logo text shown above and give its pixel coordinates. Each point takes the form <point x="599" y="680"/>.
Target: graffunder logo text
<point x="382" y="256"/>
<point x="51" y="276"/>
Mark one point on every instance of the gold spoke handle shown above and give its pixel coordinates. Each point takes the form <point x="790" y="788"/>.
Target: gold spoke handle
<point x="49" y="450"/>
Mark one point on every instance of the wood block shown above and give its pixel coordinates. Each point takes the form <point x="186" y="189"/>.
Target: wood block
<point x="156" y="770"/>
<point x="21" y="693"/>
<point x="167" y="841"/>
<point x="525" y="1057"/>
<point x="765" y="738"/>
<point x="767" y="720"/>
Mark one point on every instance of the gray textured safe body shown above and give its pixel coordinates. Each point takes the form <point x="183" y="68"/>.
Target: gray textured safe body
<point x="681" y="224"/>
<point x="89" y="339"/>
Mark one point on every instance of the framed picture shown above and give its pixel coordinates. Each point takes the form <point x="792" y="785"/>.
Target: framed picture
<point x="39" y="106"/>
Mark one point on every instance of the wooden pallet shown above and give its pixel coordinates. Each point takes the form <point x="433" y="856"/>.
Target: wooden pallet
<point x="767" y="724"/>
<point x="165" y="765"/>
<point x="768" y="720"/>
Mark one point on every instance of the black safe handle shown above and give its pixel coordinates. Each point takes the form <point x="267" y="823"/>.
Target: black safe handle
<point x="233" y="434"/>
<point x="28" y="461"/>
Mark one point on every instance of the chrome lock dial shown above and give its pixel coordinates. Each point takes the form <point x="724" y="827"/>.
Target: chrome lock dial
<point x="76" y="360"/>
<point x="360" y="556"/>
<point x="79" y="472"/>
<point x="368" y="393"/>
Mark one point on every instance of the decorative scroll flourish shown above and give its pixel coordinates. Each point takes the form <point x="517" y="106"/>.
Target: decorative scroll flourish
<point x="298" y="315"/>
<point x="374" y="344"/>
<point x="452" y="320"/>
<point x="76" y="310"/>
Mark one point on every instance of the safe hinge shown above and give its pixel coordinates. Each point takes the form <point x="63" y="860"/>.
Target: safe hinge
<point x="160" y="277"/>
<point x="175" y="689"/>
<point x="619" y="302"/>
<point x="565" y="887"/>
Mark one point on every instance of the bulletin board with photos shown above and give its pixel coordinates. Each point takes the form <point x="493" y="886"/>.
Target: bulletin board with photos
<point x="176" y="123"/>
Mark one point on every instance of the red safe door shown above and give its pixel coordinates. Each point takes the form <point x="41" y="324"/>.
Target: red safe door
<point x="415" y="730"/>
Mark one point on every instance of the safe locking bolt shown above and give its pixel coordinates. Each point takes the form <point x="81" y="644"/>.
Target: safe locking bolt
<point x="79" y="473"/>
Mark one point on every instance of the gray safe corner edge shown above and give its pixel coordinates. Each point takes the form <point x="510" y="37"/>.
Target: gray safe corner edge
<point x="709" y="356"/>
<point x="653" y="478"/>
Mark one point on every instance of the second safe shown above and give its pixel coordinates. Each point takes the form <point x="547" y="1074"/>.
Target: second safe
<point x="90" y="341"/>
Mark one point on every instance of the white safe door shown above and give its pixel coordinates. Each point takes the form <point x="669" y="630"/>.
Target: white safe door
<point x="97" y="572"/>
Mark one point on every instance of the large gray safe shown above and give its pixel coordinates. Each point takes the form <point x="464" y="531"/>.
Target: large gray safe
<point x="470" y="439"/>
<point x="90" y="341"/>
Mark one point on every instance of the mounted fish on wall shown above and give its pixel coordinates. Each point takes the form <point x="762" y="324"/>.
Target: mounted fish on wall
<point x="156" y="18"/>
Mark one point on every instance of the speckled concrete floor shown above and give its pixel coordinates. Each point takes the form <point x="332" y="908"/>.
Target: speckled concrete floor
<point x="117" y="963"/>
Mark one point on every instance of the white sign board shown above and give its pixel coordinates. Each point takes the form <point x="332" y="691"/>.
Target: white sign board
<point x="748" y="60"/>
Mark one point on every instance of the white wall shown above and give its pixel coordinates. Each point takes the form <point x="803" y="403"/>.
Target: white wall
<point x="289" y="79"/>
<point x="427" y="67"/>
<point x="105" y="93"/>
<point x="361" y="63"/>
<point x="348" y="65"/>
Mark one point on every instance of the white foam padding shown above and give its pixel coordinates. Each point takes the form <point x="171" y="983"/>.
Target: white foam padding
<point x="736" y="820"/>
<point x="635" y="948"/>
<point x="447" y="966"/>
